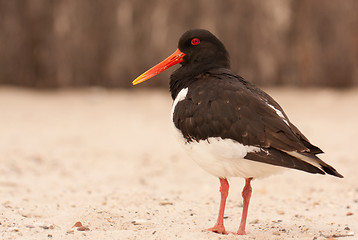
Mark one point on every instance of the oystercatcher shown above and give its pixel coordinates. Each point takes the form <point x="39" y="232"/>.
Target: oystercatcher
<point x="230" y="127"/>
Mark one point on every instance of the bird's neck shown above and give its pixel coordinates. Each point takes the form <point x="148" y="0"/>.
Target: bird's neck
<point x="187" y="74"/>
<point x="179" y="79"/>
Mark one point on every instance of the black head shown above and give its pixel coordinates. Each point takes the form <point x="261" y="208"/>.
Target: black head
<point x="198" y="51"/>
<point x="203" y="50"/>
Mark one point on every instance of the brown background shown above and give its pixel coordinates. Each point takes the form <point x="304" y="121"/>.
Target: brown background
<point x="108" y="43"/>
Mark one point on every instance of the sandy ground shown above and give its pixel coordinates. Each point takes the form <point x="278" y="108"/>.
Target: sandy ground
<point x="109" y="160"/>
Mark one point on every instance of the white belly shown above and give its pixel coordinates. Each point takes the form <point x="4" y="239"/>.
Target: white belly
<point x="225" y="158"/>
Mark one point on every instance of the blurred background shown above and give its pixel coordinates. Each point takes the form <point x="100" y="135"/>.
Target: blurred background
<point x="77" y="144"/>
<point x="64" y="43"/>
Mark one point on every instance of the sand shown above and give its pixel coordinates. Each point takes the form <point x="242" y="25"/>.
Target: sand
<point x="109" y="160"/>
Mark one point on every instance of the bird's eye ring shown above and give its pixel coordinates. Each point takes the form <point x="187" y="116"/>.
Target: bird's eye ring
<point x="195" y="41"/>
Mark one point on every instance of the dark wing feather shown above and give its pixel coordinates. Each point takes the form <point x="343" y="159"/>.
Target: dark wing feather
<point x="223" y="107"/>
<point x="279" y="158"/>
<point x="267" y="98"/>
<point x="221" y="104"/>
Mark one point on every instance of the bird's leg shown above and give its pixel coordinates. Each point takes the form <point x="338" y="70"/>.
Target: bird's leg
<point x="246" y="195"/>
<point x="219" y="225"/>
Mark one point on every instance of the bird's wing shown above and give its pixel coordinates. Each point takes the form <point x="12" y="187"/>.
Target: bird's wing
<point x="231" y="108"/>
<point x="269" y="100"/>
<point x="227" y="108"/>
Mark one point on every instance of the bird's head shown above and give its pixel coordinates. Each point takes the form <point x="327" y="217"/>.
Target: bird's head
<point x="198" y="51"/>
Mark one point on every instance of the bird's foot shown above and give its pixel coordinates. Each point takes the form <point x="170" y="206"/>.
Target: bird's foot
<point x="218" y="229"/>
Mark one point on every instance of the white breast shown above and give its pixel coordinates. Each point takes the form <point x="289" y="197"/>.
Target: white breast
<point x="181" y="96"/>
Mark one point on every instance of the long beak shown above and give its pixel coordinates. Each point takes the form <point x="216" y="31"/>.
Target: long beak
<point x="175" y="58"/>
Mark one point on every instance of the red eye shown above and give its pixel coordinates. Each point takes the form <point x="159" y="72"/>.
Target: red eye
<point x="195" y="41"/>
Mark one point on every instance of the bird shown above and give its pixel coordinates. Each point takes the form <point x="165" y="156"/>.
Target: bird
<point x="230" y="127"/>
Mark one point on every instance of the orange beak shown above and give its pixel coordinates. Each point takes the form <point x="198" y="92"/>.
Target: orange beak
<point x="175" y="58"/>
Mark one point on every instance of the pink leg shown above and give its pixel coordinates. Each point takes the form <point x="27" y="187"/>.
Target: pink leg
<point x="224" y="189"/>
<point x="246" y="195"/>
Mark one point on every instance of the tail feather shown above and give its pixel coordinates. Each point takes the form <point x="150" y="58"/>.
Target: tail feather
<point x="307" y="162"/>
<point x="330" y="170"/>
<point x="317" y="162"/>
